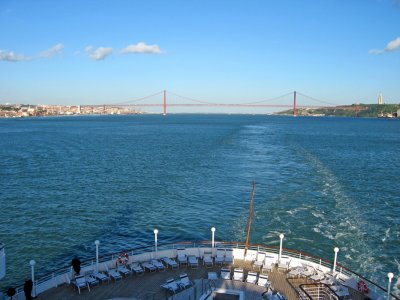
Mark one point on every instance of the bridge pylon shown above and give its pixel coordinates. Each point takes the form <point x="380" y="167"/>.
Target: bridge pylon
<point x="294" y="104"/>
<point x="165" y="103"/>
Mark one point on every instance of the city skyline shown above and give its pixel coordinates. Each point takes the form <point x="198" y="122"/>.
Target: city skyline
<point x="114" y="51"/>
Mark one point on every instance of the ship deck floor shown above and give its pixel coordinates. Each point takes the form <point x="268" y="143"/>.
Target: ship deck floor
<point x="148" y="285"/>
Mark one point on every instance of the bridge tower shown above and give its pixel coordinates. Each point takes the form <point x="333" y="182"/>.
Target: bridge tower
<point x="294" y="104"/>
<point x="165" y="103"/>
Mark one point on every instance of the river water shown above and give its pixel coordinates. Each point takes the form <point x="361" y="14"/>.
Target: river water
<point x="323" y="182"/>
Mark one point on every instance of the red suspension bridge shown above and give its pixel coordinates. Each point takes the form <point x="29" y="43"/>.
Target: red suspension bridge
<point x="288" y="100"/>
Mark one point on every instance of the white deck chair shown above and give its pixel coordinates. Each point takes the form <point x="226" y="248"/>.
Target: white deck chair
<point x="193" y="262"/>
<point x="269" y="263"/>
<point x="228" y="257"/>
<point x="170" y="263"/>
<point x="184" y="281"/>
<point x="182" y="257"/>
<point x="124" y="270"/>
<point x="100" y="276"/>
<point x="238" y="274"/>
<point x="284" y="263"/>
<point x="114" y="274"/>
<point x="171" y="285"/>
<point x="259" y="261"/>
<point x="91" y="280"/>
<point x="219" y="259"/>
<point x="81" y="283"/>
<point x="137" y="268"/>
<point x="149" y="267"/>
<point x="251" y="277"/>
<point x="225" y="273"/>
<point x="263" y="281"/>
<point x="207" y="260"/>
<point x="160" y="267"/>
<point x="318" y="276"/>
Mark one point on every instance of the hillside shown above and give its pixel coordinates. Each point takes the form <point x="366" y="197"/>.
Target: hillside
<point x="354" y="110"/>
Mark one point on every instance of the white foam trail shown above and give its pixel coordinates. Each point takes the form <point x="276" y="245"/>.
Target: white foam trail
<point x="344" y="224"/>
<point x="386" y="235"/>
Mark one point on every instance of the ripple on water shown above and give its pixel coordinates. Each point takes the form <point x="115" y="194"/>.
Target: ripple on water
<point x="69" y="181"/>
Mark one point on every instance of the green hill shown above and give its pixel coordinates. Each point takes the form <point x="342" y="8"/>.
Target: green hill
<point x="354" y="110"/>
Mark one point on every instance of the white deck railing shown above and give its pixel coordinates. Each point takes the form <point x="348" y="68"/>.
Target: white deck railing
<point x="65" y="275"/>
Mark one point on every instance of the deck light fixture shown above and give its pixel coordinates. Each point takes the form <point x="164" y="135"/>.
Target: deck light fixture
<point x="212" y="237"/>
<point x="390" y="276"/>
<point x="336" y="250"/>
<point x="97" y="243"/>
<point x="281" y="236"/>
<point x="155" y="240"/>
<point x="33" y="263"/>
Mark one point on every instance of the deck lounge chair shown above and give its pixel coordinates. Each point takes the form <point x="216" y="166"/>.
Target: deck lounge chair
<point x="219" y="259"/>
<point x="251" y="277"/>
<point x="269" y="263"/>
<point x="184" y="281"/>
<point x="91" y="280"/>
<point x="259" y="261"/>
<point x="81" y="283"/>
<point x="283" y="264"/>
<point x="114" y="274"/>
<point x="160" y="267"/>
<point x="100" y="276"/>
<point x="193" y="262"/>
<point x="238" y="274"/>
<point x="207" y="260"/>
<point x="171" y="285"/>
<point x="137" y="268"/>
<point x="149" y="267"/>
<point x="228" y="257"/>
<point x="170" y="263"/>
<point x="124" y="270"/>
<point x="225" y="273"/>
<point x="318" y="276"/>
<point x="182" y="257"/>
<point x="263" y="281"/>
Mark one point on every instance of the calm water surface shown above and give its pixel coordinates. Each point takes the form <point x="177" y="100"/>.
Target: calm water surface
<point x="324" y="182"/>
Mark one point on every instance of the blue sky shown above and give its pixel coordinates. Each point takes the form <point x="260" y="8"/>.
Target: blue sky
<point x="87" y="52"/>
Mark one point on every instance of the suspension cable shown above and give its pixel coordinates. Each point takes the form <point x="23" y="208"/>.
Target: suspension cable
<point x="139" y="99"/>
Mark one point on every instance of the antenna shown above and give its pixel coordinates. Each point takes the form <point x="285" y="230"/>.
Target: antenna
<point x="249" y="220"/>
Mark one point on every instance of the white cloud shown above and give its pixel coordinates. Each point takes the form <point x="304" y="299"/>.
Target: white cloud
<point x="56" y="49"/>
<point x="390" y="47"/>
<point x="393" y="45"/>
<point x="12" y="56"/>
<point x="375" y="51"/>
<point x="99" y="53"/>
<point x="142" y="48"/>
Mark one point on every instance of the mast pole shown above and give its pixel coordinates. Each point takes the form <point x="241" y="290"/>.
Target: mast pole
<point x="249" y="220"/>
